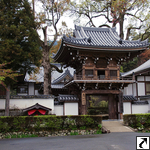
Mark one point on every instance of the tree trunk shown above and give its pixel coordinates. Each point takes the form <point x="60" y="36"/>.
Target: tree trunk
<point x="7" y="101"/>
<point x="121" y="22"/>
<point x="46" y="65"/>
<point x="47" y="71"/>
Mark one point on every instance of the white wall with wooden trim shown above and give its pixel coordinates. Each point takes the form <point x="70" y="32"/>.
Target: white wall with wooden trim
<point x="128" y="90"/>
<point x="141" y="89"/>
<point x="140" y="78"/>
<point x="147" y="78"/>
<point x="71" y="108"/>
<point x="24" y="103"/>
<point x="139" y="109"/>
<point x="58" y="110"/>
<point x="31" y="88"/>
<point x="127" y="108"/>
<point x="134" y="89"/>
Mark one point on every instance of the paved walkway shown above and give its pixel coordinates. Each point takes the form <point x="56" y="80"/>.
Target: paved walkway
<point x="116" y="126"/>
<point x="112" y="141"/>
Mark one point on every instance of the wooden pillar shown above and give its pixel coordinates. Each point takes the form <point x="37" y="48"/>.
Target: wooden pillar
<point x="83" y="73"/>
<point x="75" y="77"/>
<point x="121" y="104"/>
<point x="133" y="76"/>
<point x="112" y="106"/>
<point x="83" y="101"/>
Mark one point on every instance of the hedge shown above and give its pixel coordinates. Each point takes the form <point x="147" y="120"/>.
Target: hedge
<point x="48" y="123"/>
<point x="138" y="121"/>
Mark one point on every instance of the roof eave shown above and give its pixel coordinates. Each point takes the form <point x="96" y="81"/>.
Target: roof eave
<point x="105" y="48"/>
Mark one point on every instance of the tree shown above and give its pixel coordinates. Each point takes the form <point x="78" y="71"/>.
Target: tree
<point x="19" y="41"/>
<point x="143" y="57"/>
<point x="6" y="74"/>
<point x="64" y="30"/>
<point x="114" y="12"/>
<point x="52" y="11"/>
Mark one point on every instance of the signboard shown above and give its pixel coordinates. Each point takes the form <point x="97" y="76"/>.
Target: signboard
<point x="83" y="97"/>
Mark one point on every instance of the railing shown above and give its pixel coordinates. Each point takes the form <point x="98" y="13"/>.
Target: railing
<point x="127" y="78"/>
<point x="101" y="77"/>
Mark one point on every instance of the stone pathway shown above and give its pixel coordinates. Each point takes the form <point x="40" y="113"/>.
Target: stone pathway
<point x="115" y="126"/>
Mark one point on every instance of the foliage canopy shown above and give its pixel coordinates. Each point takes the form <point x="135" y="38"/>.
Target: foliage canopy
<point x="19" y="41"/>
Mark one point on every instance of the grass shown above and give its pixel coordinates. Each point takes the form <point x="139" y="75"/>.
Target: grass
<point x="20" y="136"/>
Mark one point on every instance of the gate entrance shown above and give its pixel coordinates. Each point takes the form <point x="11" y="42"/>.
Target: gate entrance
<point x="102" y="105"/>
<point x="97" y="104"/>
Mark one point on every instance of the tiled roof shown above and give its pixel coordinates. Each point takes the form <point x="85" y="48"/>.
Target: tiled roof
<point x="57" y="86"/>
<point x="68" y="98"/>
<point x="129" y="98"/>
<point x="58" y="103"/>
<point x="145" y="97"/>
<point x="39" y="77"/>
<point x="29" y="97"/>
<point x="140" y="102"/>
<point x="101" y="38"/>
<point x="142" y="67"/>
<point x="36" y="106"/>
<point x="62" y="77"/>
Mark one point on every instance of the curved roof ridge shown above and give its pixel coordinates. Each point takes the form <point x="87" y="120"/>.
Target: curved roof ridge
<point x="94" y="28"/>
<point x="67" y="72"/>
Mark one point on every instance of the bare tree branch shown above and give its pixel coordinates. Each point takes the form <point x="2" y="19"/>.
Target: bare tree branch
<point x="129" y="31"/>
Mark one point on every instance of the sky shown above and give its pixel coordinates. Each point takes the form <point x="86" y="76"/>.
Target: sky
<point x="69" y="21"/>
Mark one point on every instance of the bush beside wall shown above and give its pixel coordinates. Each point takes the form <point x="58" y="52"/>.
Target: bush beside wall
<point x="138" y="121"/>
<point x="48" y="123"/>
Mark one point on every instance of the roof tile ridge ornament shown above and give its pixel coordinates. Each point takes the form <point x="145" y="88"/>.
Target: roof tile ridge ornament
<point x="65" y="38"/>
<point x="71" y="39"/>
<point x="95" y="28"/>
<point x="145" y="42"/>
<point x="117" y="37"/>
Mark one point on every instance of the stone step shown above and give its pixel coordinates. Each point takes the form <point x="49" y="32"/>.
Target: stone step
<point x="115" y="126"/>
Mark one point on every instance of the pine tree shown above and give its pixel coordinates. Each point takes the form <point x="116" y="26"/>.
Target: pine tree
<point x="19" y="41"/>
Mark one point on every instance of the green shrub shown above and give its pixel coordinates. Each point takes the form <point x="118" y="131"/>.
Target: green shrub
<point x="138" y="121"/>
<point x="48" y="122"/>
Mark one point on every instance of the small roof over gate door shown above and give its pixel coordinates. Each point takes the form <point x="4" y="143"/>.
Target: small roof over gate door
<point x="37" y="107"/>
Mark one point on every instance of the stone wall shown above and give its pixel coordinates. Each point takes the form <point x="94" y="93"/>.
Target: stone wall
<point x="49" y="133"/>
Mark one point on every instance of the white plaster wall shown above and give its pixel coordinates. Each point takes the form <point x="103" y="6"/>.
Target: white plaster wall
<point x="134" y="89"/>
<point x="148" y="105"/>
<point x="125" y="91"/>
<point x="24" y="103"/>
<point x="140" y="78"/>
<point x="126" y="108"/>
<point x="22" y="94"/>
<point x="141" y="89"/>
<point x="31" y="89"/>
<point x="139" y="109"/>
<point x="147" y="78"/>
<point x="36" y="92"/>
<point x="71" y="109"/>
<point x="129" y="90"/>
<point x="2" y="103"/>
<point x="58" y="110"/>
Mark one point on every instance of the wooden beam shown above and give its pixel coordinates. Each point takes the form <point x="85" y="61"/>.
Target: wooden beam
<point x="102" y="91"/>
